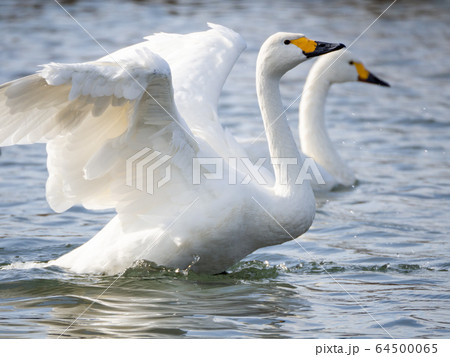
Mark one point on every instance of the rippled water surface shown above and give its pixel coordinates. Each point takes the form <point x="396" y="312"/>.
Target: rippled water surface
<point x="375" y="262"/>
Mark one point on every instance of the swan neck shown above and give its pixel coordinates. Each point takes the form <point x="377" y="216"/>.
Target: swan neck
<point x="285" y="156"/>
<point x="312" y="112"/>
<point x="314" y="139"/>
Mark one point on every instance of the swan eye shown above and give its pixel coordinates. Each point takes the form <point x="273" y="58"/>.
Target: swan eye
<point x="287" y="42"/>
<point x="351" y="63"/>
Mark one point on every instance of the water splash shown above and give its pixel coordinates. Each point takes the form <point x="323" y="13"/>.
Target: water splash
<point x="195" y="260"/>
<point x="25" y="266"/>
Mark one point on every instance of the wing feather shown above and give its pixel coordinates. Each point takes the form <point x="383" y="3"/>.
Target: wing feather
<point x="94" y="116"/>
<point x="200" y="64"/>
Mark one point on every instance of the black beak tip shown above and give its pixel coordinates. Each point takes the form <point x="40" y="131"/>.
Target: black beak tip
<point x="375" y="80"/>
<point x="323" y="48"/>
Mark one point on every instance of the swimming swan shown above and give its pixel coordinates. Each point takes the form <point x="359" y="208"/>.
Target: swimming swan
<point x="122" y="134"/>
<point x="314" y="139"/>
<point x="336" y="67"/>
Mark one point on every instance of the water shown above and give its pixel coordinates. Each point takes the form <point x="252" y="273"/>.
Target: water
<point x="375" y="262"/>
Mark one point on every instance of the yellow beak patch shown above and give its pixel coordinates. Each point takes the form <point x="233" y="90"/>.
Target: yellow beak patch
<point x="305" y="44"/>
<point x="363" y="73"/>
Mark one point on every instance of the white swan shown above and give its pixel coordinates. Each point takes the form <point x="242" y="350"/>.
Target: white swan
<point x="314" y="139"/>
<point x="337" y="67"/>
<point x="97" y="117"/>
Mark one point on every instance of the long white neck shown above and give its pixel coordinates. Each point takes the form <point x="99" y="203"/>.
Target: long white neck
<point x="314" y="139"/>
<point x="280" y="140"/>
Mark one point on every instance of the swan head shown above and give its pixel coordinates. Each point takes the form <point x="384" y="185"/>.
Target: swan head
<point x="342" y="66"/>
<point x="283" y="51"/>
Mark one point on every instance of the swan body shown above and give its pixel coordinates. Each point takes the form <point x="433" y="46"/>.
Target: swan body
<point x="159" y="98"/>
<point x="336" y="67"/>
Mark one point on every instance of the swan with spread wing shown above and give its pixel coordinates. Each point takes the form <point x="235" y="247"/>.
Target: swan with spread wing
<point x="160" y="97"/>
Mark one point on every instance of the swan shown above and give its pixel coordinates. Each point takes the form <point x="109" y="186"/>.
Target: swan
<point x="337" y="67"/>
<point x="104" y="121"/>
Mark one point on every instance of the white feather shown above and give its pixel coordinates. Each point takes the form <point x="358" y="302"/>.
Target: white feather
<point x="336" y="67"/>
<point x="103" y="113"/>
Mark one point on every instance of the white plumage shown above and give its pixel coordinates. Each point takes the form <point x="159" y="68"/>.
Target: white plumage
<point x="161" y="96"/>
<point x="336" y="67"/>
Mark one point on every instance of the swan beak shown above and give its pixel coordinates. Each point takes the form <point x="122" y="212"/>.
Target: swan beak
<point x="374" y="80"/>
<point x="312" y="48"/>
<point x="365" y="76"/>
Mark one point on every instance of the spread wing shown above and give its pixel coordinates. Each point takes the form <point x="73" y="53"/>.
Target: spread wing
<point x="95" y="116"/>
<point x="200" y="63"/>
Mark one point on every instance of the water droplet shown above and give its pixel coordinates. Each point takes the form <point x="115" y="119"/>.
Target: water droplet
<point x="195" y="259"/>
